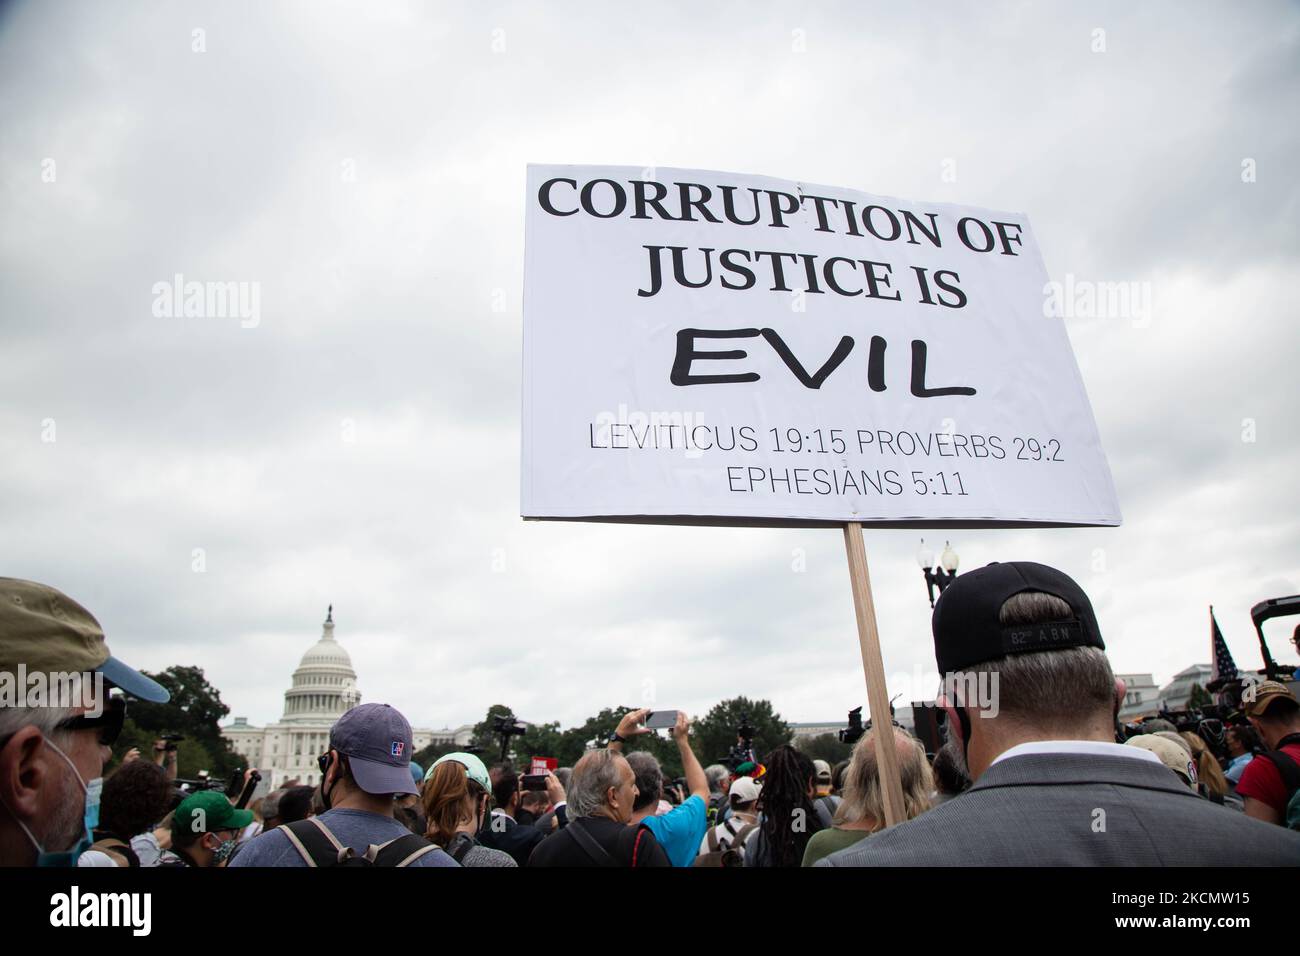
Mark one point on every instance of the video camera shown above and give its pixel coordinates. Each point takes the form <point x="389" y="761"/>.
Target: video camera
<point x="854" y="731"/>
<point x="1210" y="723"/>
<point x="506" y="726"/>
<point x="743" y="750"/>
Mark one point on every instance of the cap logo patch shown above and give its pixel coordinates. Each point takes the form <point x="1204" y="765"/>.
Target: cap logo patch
<point x="1035" y="637"/>
<point x="398" y="747"/>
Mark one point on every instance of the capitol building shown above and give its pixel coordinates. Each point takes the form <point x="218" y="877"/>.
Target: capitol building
<point x="322" y="689"/>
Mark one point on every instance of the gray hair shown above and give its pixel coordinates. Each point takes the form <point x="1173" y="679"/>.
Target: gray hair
<point x="863" y="798"/>
<point x="649" y="778"/>
<point x="44" y="719"/>
<point x="716" y="773"/>
<point x="592" y="777"/>
<point x="1054" y="690"/>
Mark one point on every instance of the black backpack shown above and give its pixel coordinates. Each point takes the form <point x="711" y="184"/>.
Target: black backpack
<point x="319" y="847"/>
<point x="1290" y="773"/>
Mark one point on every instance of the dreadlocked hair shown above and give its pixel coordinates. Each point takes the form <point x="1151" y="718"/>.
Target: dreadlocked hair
<point x="789" y="818"/>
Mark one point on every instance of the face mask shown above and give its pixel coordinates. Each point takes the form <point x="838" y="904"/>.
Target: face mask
<point x="223" y="851"/>
<point x="90" y="820"/>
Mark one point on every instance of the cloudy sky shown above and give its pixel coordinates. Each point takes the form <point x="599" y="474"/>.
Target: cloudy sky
<point x="206" y="488"/>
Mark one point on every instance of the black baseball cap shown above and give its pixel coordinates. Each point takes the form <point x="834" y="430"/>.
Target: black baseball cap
<point x="967" y="630"/>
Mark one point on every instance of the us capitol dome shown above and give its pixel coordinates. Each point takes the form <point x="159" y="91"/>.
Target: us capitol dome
<point x="322" y="689"/>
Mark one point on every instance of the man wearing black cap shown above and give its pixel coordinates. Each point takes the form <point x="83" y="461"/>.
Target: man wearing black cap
<point x="367" y="765"/>
<point x="53" y="747"/>
<point x="1031" y="704"/>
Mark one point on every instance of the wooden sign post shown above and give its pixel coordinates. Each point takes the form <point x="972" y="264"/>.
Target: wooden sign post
<point x="891" y="785"/>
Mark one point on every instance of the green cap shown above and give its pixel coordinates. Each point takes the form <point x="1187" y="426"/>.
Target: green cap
<point x="474" y="768"/>
<point x="207" y="812"/>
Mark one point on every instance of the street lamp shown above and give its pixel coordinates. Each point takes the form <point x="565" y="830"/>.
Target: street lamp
<point x="937" y="576"/>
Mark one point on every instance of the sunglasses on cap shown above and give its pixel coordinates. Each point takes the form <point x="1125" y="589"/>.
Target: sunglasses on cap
<point x="108" y="723"/>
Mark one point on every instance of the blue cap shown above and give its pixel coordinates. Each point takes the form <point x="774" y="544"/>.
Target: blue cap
<point x="377" y="741"/>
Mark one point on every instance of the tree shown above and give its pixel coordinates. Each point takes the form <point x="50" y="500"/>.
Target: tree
<point x="429" y="754"/>
<point x="195" y="711"/>
<point x="826" y="747"/>
<point x="1199" y="697"/>
<point x="541" y="740"/>
<point x="715" y="733"/>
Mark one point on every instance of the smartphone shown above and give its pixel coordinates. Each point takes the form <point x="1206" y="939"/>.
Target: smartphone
<point x="661" y="719"/>
<point x="534" y="781"/>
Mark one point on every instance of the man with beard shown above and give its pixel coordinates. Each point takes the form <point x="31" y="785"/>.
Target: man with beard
<point x="1031" y="703"/>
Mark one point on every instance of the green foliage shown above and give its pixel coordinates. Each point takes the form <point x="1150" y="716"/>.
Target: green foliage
<point x="826" y="747"/>
<point x="1200" y="697"/>
<point x="194" y="711"/>
<point x="429" y="754"/>
<point x="485" y="738"/>
<point x="715" y="733"/>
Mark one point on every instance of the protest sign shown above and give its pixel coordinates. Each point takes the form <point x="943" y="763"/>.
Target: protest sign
<point x="709" y="347"/>
<point x="704" y="347"/>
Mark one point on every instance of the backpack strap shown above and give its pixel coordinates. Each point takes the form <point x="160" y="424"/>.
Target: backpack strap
<point x="739" y="843"/>
<point x="636" y="844"/>
<point x="315" y="843"/>
<point x="1286" y="767"/>
<point x="399" y="852"/>
<point x="598" y="854"/>
<point x="116" y="846"/>
<point x="714" y="846"/>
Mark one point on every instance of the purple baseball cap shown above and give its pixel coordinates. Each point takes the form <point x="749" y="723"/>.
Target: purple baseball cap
<point x="377" y="741"/>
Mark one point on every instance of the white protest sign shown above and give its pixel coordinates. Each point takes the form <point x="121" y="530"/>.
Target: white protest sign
<point x="715" y="347"/>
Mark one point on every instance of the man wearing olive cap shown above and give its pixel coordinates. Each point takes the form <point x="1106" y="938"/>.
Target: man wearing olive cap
<point x="1031" y="703"/>
<point x="1268" y="785"/>
<point x="53" y="747"/>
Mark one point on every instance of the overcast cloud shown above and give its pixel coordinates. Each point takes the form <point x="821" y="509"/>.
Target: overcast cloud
<point x="390" y="315"/>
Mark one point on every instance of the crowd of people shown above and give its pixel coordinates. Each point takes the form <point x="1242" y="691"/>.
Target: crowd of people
<point x="1037" y="776"/>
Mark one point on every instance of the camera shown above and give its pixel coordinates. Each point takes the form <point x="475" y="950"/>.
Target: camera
<point x="743" y="750"/>
<point x="854" y="731"/>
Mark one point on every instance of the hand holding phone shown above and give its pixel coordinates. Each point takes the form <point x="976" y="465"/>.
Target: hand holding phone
<point x="661" y="719"/>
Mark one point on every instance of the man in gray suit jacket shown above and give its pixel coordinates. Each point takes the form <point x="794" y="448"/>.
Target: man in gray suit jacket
<point x="1031" y="704"/>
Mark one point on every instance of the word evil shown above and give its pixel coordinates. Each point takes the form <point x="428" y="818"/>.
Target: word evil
<point x="102" y="909"/>
<point x="687" y="354"/>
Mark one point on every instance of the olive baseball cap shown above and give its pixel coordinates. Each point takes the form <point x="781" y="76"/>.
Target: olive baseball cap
<point x="1170" y="754"/>
<point x="44" y="630"/>
<point x="377" y="741"/>
<point x="207" y="812"/>
<point x="1264" y="694"/>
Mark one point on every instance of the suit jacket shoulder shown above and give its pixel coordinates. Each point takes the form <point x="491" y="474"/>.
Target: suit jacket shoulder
<point x="1076" y="810"/>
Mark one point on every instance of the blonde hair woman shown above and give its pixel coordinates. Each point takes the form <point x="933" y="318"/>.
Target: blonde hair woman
<point x="862" y="811"/>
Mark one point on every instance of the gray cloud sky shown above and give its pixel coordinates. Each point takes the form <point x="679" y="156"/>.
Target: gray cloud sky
<point x="394" y="302"/>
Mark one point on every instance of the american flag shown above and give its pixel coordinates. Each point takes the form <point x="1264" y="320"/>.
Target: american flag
<point x="1224" y="666"/>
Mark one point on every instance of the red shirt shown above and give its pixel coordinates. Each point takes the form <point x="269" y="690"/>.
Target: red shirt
<point x="1262" y="780"/>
